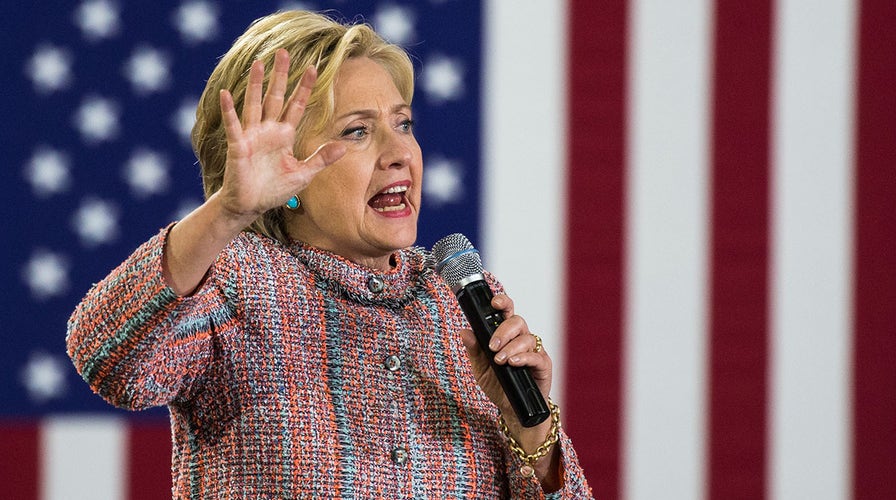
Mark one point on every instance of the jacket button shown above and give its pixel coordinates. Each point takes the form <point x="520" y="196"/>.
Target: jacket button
<point x="393" y="363"/>
<point x="399" y="455"/>
<point x="375" y="284"/>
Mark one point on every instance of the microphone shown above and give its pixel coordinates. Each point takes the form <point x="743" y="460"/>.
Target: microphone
<point x="461" y="267"/>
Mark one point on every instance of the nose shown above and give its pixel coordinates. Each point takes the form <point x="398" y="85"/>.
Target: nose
<point x="395" y="150"/>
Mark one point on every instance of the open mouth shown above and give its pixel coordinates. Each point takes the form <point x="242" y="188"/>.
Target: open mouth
<point x="391" y="199"/>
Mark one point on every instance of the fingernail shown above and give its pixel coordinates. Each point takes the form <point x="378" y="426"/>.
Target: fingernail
<point x="494" y="344"/>
<point x="499" y="358"/>
<point x="515" y="359"/>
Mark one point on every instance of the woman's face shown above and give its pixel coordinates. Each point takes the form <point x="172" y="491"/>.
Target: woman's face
<point x="364" y="206"/>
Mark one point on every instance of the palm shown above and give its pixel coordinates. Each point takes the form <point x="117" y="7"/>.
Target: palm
<point x="258" y="163"/>
<point x="486" y="378"/>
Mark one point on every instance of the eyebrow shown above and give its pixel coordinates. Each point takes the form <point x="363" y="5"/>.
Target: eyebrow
<point x="373" y="112"/>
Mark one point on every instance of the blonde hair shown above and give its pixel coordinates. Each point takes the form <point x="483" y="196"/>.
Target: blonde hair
<point x="310" y="39"/>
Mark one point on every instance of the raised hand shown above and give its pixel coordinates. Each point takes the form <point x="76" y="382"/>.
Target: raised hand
<point x="261" y="170"/>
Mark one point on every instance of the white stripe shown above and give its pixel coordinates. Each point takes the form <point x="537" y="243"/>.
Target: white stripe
<point x="665" y="368"/>
<point x="523" y="160"/>
<point x="812" y="256"/>
<point x="83" y="458"/>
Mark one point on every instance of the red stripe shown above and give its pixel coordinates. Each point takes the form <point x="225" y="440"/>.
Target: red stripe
<point x="595" y="215"/>
<point x="148" y="474"/>
<point x="738" y="343"/>
<point x="20" y="467"/>
<point x="874" y="404"/>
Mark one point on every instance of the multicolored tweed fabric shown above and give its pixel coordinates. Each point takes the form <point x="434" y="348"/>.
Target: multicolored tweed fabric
<point x="294" y="373"/>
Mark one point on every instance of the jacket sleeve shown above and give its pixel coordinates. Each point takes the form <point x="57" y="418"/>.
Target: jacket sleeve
<point x="136" y="342"/>
<point x="575" y="486"/>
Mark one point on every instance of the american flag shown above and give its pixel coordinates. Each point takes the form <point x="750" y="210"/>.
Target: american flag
<point x="693" y="202"/>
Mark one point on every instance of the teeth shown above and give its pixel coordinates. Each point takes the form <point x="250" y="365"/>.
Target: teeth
<point x="393" y="208"/>
<point x="395" y="189"/>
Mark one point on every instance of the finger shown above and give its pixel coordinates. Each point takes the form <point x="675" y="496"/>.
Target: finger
<point x="504" y="304"/>
<point x="252" y="100"/>
<point x="295" y="106"/>
<point x="273" y="98"/>
<point x="508" y="330"/>
<point x="520" y="344"/>
<point x="326" y="154"/>
<point x="536" y="360"/>
<point x="232" y="128"/>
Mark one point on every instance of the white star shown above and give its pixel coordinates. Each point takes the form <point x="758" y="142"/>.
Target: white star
<point x="184" y="118"/>
<point x="395" y="24"/>
<point x="44" y="377"/>
<point x="46" y="274"/>
<point x="97" y="119"/>
<point x="147" y="173"/>
<point x="49" y="69"/>
<point x="147" y="69"/>
<point x="48" y="172"/>
<point x="442" y="78"/>
<point x="197" y="21"/>
<point x="97" y="19"/>
<point x="442" y="180"/>
<point x="284" y="6"/>
<point x="96" y="222"/>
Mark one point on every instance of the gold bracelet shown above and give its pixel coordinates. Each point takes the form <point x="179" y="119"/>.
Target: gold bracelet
<point x="543" y="449"/>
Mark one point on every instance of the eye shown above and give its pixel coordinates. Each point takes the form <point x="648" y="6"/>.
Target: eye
<point x="406" y="125"/>
<point x="355" y="133"/>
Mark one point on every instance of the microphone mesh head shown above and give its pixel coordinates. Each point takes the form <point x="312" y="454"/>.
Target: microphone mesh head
<point x="456" y="259"/>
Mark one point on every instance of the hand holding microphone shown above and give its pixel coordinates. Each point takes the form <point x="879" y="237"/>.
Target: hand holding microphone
<point x="461" y="267"/>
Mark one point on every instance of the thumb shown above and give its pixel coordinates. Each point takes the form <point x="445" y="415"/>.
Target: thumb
<point x="326" y="154"/>
<point x="473" y="350"/>
<point x="469" y="340"/>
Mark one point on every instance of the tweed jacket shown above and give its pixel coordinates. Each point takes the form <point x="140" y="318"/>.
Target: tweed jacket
<point x="294" y="373"/>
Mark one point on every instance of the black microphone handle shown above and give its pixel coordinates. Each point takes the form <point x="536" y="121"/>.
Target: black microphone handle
<point x="475" y="300"/>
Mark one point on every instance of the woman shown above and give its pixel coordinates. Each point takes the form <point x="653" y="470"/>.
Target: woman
<point x="303" y="347"/>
